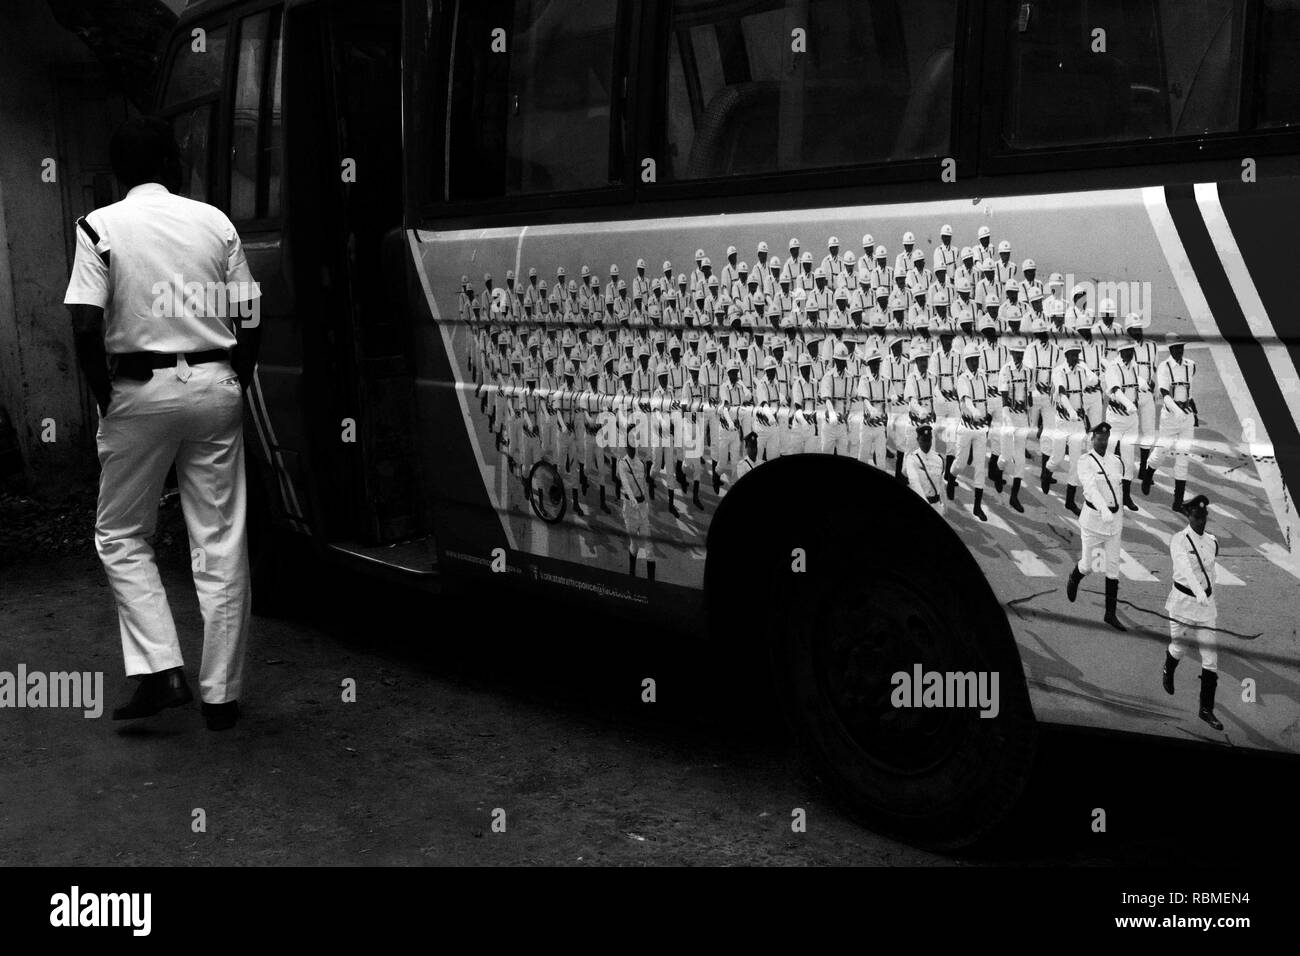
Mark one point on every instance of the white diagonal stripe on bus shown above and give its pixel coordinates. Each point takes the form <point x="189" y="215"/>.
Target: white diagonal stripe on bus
<point x="1225" y="577"/>
<point x="1243" y="404"/>
<point x="454" y="361"/>
<point x="1243" y="287"/>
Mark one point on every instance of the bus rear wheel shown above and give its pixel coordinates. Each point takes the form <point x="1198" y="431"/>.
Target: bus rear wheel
<point x="851" y="659"/>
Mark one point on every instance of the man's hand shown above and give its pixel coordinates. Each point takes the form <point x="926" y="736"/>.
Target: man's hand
<point x="88" y="333"/>
<point x="1203" y="600"/>
<point x="640" y="499"/>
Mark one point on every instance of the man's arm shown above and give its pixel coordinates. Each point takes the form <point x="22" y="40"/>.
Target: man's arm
<point x="88" y="333"/>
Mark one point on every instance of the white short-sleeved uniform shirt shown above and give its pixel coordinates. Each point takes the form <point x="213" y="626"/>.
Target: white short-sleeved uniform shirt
<point x="160" y="243"/>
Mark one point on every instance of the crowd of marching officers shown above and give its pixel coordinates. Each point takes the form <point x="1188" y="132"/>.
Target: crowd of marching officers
<point x="940" y="364"/>
<point x="849" y="355"/>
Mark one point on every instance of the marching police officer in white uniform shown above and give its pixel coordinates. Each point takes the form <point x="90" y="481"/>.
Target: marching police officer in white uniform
<point x="167" y="393"/>
<point x="1101" y="525"/>
<point x="1191" y="607"/>
<point x="636" y="507"/>
<point x="925" y="469"/>
<point x="1177" y="416"/>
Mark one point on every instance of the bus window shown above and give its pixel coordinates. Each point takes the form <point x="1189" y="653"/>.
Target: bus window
<point x="1119" y="71"/>
<point x="250" y="149"/>
<point x="535" y="118"/>
<point x="875" y="84"/>
<point x="194" y="137"/>
<point x="194" y="85"/>
<point x="1279" y="82"/>
<point x="197" y="73"/>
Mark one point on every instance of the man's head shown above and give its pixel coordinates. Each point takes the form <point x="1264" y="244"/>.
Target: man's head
<point x="143" y="150"/>
<point x="751" y="446"/>
<point x="924" y="437"/>
<point x="1198" y="512"/>
<point x="1100" y="437"/>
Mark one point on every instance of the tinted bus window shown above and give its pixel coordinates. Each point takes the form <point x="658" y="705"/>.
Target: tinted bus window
<point x="875" y="84"/>
<point x="1121" y="71"/>
<point x="535" y="118"/>
<point x="194" y="138"/>
<point x="1279" y="82"/>
<point x="249" y="73"/>
<point x="197" y="73"/>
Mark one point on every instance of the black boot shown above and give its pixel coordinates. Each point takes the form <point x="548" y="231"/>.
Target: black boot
<point x="995" y="473"/>
<point x="1179" y="487"/>
<point x="898" y="467"/>
<point x="649" y="570"/>
<point x="695" y="495"/>
<point x="1209" y="683"/>
<point x="672" y="506"/>
<point x="1015" y="496"/>
<point x="1045" y="477"/>
<point x="1072" y="585"/>
<point x="681" y="477"/>
<point x="717" y="479"/>
<point x="631" y="564"/>
<point x="1128" y="495"/>
<point x="1070" y="503"/>
<point x="978" y="509"/>
<point x="1144" y="472"/>
<point x="650" y="485"/>
<point x="153" y="693"/>
<point x="1112" y="599"/>
<point x="583" y="481"/>
<point x="603" y="506"/>
<point x="577" y="508"/>
<point x="1168" y="677"/>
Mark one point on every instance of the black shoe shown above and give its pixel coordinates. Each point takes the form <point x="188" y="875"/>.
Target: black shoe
<point x="1070" y="504"/>
<point x="952" y="488"/>
<point x="1112" y="599"/>
<point x="1072" y="585"/>
<point x="695" y="496"/>
<point x="220" y="716"/>
<point x="156" y="692"/>
<point x="1180" y="488"/>
<point x="1209" y="683"/>
<point x="1148" y="476"/>
<point x="680" y="474"/>
<point x="978" y="510"/>
<point x="1015" y="497"/>
<point x="1167" y="679"/>
<point x="1128" y="496"/>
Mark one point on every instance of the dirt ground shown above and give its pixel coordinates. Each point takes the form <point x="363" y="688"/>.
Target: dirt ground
<point x="465" y="705"/>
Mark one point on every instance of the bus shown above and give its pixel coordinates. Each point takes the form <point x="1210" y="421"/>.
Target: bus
<point x="791" y="324"/>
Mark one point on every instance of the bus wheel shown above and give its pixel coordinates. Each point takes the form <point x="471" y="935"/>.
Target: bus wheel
<point x="547" y="494"/>
<point x="855" y="667"/>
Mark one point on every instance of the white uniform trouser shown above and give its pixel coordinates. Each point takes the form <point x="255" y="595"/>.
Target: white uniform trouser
<point x="902" y="433"/>
<point x="800" y="438"/>
<point x="1175" y="437"/>
<point x="666" y="453"/>
<point x="945" y="425"/>
<point x="1190" y="628"/>
<point x="855" y="432"/>
<point x="1015" y="427"/>
<point x="972" y="441"/>
<point x="515" y="441"/>
<point x="1068" y="437"/>
<point x="769" y="441"/>
<point x="197" y="423"/>
<point x="727" y="448"/>
<point x="835" y="435"/>
<point x="1146" y="416"/>
<point x="1094" y="408"/>
<point x="1042" y="422"/>
<point x="871" y="446"/>
<point x="1124" y="433"/>
<point x="592" y="453"/>
<point x="692" y="443"/>
<point x="1099" y="552"/>
<point x="636" y="518"/>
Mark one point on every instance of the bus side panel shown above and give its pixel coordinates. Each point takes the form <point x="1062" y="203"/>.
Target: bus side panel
<point x="1136" y="245"/>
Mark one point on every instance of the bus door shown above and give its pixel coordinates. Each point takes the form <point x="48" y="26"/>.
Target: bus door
<point x="345" y="174"/>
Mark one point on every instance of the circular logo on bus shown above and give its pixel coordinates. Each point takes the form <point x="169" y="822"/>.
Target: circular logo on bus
<point x="547" y="498"/>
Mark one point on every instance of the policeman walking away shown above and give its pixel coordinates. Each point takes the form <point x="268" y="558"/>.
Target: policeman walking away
<point x="170" y="390"/>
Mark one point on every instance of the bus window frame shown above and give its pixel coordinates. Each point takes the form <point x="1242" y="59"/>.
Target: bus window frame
<point x="219" y="195"/>
<point x="997" y="159"/>
<point x="621" y="128"/>
<point x="275" y="38"/>
<point x="962" y="136"/>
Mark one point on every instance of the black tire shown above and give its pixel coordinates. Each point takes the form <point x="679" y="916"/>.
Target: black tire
<point x="937" y="777"/>
<point x="547" y="495"/>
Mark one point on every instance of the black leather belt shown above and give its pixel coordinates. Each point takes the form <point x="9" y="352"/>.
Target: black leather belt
<point x="141" y="365"/>
<point x="1189" y="592"/>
